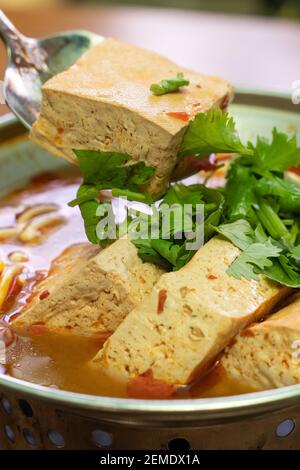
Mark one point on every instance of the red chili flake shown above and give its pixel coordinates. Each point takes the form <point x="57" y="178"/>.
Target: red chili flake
<point x="145" y="386"/>
<point x="43" y="178"/>
<point x="295" y="170"/>
<point x="105" y="195"/>
<point x="60" y="130"/>
<point x="37" y="329"/>
<point x="211" y="277"/>
<point x="191" y="164"/>
<point x="224" y="102"/>
<point x="182" y="116"/>
<point x="207" y="163"/>
<point x="220" y="157"/>
<point x="40" y="276"/>
<point x="44" y="295"/>
<point x="231" y="343"/>
<point x="162" y="297"/>
<point x="102" y="336"/>
<point x="247" y="333"/>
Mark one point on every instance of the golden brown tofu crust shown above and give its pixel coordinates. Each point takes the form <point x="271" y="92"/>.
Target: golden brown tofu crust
<point x="89" y="291"/>
<point x="188" y="319"/>
<point x="267" y="354"/>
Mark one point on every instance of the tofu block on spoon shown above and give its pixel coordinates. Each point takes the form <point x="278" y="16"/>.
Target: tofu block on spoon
<point x="104" y="102"/>
<point x="89" y="291"/>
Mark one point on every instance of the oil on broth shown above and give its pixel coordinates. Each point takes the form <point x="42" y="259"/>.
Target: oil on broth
<point x="63" y="361"/>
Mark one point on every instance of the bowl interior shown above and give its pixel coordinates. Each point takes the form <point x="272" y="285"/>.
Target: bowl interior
<point x="20" y="160"/>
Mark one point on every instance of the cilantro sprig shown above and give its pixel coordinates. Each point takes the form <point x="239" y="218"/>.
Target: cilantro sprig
<point x="262" y="207"/>
<point x="212" y="132"/>
<point x="108" y="170"/>
<point x="169" y="249"/>
<point x="169" y="85"/>
<point x="261" y="254"/>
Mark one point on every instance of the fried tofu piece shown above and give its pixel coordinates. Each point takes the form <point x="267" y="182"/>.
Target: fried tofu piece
<point x="103" y="102"/>
<point x="267" y="355"/>
<point x="89" y="291"/>
<point x="178" y="331"/>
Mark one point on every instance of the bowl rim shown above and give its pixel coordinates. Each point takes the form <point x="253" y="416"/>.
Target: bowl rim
<point x="130" y="410"/>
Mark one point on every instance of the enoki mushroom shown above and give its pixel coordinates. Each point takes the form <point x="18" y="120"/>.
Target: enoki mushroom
<point x="32" y="223"/>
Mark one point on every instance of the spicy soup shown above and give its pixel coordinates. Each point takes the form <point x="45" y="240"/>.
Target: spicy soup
<point x="36" y="226"/>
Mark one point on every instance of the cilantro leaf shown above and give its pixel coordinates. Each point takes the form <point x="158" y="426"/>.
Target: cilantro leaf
<point x="169" y="85"/>
<point x="284" y="272"/>
<point x="260" y="255"/>
<point x="212" y="132"/>
<point x="88" y="209"/>
<point x="107" y="170"/>
<point x="253" y="260"/>
<point x="167" y="249"/>
<point x="295" y="253"/>
<point x="286" y="192"/>
<point x="101" y="167"/>
<point x="148" y="254"/>
<point x="86" y="193"/>
<point x="240" y="194"/>
<point x="240" y="233"/>
<point x="277" y="155"/>
<point x="171" y="245"/>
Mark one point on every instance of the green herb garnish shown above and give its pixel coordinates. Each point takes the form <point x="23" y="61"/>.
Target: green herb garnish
<point x="169" y="85"/>
<point x="258" y="197"/>
<point x="169" y="249"/>
<point x="107" y="170"/>
<point x="212" y="132"/>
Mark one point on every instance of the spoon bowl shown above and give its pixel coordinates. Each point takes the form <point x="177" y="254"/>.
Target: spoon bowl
<point x="33" y="61"/>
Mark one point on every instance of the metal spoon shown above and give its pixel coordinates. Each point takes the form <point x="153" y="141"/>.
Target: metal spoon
<point x="33" y="61"/>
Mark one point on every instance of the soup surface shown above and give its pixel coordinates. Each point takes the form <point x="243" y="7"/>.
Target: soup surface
<point x="58" y="361"/>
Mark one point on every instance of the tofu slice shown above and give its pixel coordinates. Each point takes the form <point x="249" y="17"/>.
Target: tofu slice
<point x="267" y="354"/>
<point x="89" y="291"/>
<point x="103" y="102"/>
<point x="177" y="332"/>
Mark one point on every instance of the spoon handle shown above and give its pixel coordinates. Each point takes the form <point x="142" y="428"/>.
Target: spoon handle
<point x="12" y="38"/>
<point x="22" y="51"/>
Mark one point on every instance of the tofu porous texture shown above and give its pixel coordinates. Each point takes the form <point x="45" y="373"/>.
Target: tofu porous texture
<point x="104" y="102"/>
<point x="267" y="354"/>
<point x="178" y="331"/>
<point x="89" y="291"/>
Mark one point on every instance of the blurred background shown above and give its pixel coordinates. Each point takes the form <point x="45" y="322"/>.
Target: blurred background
<point x="253" y="43"/>
<point x="279" y="8"/>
